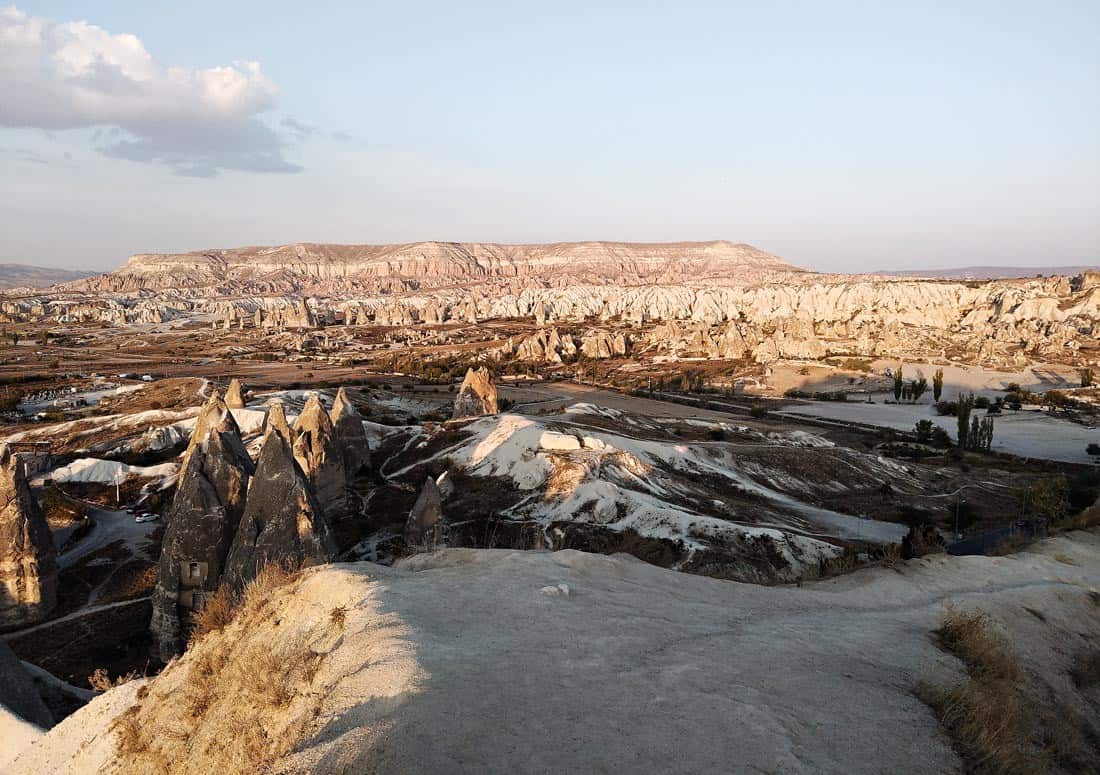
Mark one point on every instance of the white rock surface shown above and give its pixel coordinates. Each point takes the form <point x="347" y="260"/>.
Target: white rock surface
<point x="456" y="661"/>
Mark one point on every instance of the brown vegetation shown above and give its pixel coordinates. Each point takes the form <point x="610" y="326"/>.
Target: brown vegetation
<point x="985" y="715"/>
<point x="237" y="702"/>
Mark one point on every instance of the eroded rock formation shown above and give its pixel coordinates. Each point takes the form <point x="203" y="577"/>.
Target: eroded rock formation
<point x="283" y="522"/>
<point x="234" y="394"/>
<point x="202" y="521"/>
<point x="477" y="396"/>
<point x="321" y="457"/>
<point x="424" y="527"/>
<point x="348" y="425"/>
<point x="28" y="561"/>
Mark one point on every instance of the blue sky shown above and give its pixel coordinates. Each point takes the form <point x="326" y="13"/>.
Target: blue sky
<point x="840" y="136"/>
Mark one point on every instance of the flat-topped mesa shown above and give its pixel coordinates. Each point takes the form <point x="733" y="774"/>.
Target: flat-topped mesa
<point x="234" y="394"/>
<point x="477" y="396"/>
<point x="202" y="521"/>
<point x="28" y="561"/>
<point x="424" y="527"/>
<point x="321" y="457"/>
<point x="425" y="264"/>
<point x="282" y="523"/>
<point x="351" y="435"/>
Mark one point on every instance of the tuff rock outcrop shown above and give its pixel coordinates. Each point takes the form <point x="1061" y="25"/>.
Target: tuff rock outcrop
<point x="424" y="527"/>
<point x="18" y="693"/>
<point x="202" y="522"/>
<point x="348" y="425"/>
<point x="283" y="522"/>
<point x="321" y="457"/>
<point x="276" y="420"/>
<point x="477" y="396"/>
<point x="28" y="561"/>
<point x="234" y="394"/>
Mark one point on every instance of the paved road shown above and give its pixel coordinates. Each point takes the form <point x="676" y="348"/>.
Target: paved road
<point x="110" y="526"/>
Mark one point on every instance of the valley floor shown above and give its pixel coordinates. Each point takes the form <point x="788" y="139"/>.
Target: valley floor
<point x="508" y="661"/>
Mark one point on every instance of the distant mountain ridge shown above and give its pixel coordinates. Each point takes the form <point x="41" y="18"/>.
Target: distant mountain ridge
<point x="27" y="276"/>
<point x="319" y="267"/>
<point x="990" y="272"/>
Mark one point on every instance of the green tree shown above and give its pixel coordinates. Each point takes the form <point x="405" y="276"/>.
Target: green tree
<point x="899" y="382"/>
<point x="937" y="385"/>
<point x="966" y="406"/>
<point x="917" y="388"/>
<point x="1086" y="377"/>
<point x="924" y="431"/>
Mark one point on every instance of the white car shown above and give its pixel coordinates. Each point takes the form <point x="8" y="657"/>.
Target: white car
<point x="147" y="517"/>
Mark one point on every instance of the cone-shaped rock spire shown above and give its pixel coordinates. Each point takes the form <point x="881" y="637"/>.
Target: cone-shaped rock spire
<point x="276" y="420"/>
<point x="282" y="522"/>
<point x="234" y="394"/>
<point x="319" y="453"/>
<point x="202" y="520"/>
<point x="349" y="431"/>
<point x="477" y="396"/>
<point x="424" y="527"/>
<point x="28" y="561"/>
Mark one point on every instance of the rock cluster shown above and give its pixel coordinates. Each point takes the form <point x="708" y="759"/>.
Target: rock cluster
<point x="28" y="561"/>
<point x="477" y="396"/>
<point x="230" y="517"/>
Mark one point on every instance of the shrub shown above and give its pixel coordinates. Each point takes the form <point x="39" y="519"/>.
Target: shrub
<point x="758" y="410"/>
<point x="716" y="434"/>
<point x="947" y="408"/>
<point x="923" y="430"/>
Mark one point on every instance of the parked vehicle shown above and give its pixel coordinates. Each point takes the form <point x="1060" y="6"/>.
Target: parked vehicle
<point x="147" y="516"/>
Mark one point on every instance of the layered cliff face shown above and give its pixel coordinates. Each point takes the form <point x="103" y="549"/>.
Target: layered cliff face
<point x="428" y="264"/>
<point x="28" y="561"/>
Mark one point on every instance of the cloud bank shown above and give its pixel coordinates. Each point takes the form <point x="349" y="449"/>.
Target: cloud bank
<point x="73" y="75"/>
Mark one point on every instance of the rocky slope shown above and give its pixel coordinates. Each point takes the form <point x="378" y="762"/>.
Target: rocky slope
<point x="504" y="661"/>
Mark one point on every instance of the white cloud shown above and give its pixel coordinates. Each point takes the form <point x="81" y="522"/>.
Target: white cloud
<point x="69" y="75"/>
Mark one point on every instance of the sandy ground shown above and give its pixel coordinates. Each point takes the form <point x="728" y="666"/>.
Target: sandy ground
<point x="555" y="396"/>
<point x="503" y="662"/>
<point x="1025" y="433"/>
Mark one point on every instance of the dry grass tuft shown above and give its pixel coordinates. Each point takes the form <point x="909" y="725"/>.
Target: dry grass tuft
<point x="240" y="700"/>
<point x="224" y="606"/>
<point x="338" y="616"/>
<point x="973" y="638"/>
<point x="986" y="715"/>
<point x="215" y="615"/>
<point x="100" y="680"/>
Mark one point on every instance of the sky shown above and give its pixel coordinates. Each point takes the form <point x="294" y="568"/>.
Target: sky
<point x="841" y="136"/>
